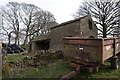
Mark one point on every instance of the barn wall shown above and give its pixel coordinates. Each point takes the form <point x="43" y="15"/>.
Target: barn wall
<point x="57" y="34"/>
<point x="73" y="29"/>
<point x="84" y="27"/>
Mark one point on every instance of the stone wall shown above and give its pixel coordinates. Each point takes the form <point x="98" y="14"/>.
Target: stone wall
<point x="75" y="28"/>
<point x="79" y="27"/>
<point x="72" y="29"/>
<point x="84" y="27"/>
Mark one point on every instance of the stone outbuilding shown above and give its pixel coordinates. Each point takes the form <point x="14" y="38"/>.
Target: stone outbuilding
<point x="80" y="27"/>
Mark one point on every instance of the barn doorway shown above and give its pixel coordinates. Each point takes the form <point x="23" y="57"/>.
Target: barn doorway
<point x="43" y="44"/>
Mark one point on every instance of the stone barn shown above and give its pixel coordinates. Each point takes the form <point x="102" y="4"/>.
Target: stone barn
<point x="80" y="27"/>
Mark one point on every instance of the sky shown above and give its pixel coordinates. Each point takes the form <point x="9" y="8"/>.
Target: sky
<point x="61" y="9"/>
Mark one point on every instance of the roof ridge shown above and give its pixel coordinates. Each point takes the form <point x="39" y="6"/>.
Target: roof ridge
<point x="71" y="21"/>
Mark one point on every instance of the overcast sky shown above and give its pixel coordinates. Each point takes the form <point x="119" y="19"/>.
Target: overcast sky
<point x="61" y="9"/>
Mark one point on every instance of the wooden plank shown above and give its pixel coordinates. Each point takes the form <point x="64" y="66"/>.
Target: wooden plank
<point x="114" y="46"/>
<point x="84" y="42"/>
<point x="69" y="75"/>
<point x="90" y="53"/>
<point x="117" y="45"/>
<point x="108" y="42"/>
<point x="92" y="49"/>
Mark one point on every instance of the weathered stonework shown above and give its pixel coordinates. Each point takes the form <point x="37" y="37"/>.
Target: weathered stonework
<point x="80" y="27"/>
<point x="76" y="28"/>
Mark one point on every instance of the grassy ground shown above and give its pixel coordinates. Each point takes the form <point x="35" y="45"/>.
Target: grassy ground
<point x="53" y="70"/>
<point x="104" y="72"/>
<point x="61" y="67"/>
<point x="15" y="57"/>
<point x="57" y="69"/>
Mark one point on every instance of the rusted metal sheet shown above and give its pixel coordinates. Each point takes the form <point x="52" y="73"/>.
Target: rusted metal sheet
<point x="96" y="51"/>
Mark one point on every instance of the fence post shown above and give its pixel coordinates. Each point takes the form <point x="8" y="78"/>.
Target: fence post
<point x="0" y="60"/>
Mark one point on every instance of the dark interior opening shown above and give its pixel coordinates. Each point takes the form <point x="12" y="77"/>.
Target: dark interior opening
<point x="43" y="44"/>
<point x="90" y="25"/>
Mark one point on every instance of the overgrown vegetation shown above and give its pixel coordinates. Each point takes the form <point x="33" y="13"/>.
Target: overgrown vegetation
<point x="53" y="70"/>
<point x="59" y="68"/>
<point x="52" y="65"/>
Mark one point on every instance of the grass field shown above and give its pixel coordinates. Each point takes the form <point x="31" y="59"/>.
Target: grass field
<point x="59" y="68"/>
<point x="53" y="70"/>
<point x="15" y="57"/>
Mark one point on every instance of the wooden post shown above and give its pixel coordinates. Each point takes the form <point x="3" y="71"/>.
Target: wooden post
<point x="0" y="61"/>
<point x="114" y="47"/>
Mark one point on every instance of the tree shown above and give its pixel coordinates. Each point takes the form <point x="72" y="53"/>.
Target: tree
<point x="35" y="19"/>
<point x="43" y="21"/>
<point x="104" y="13"/>
<point x="10" y="14"/>
<point x="5" y="31"/>
<point x="27" y="15"/>
<point x="117" y="29"/>
<point x="24" y="20"/>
